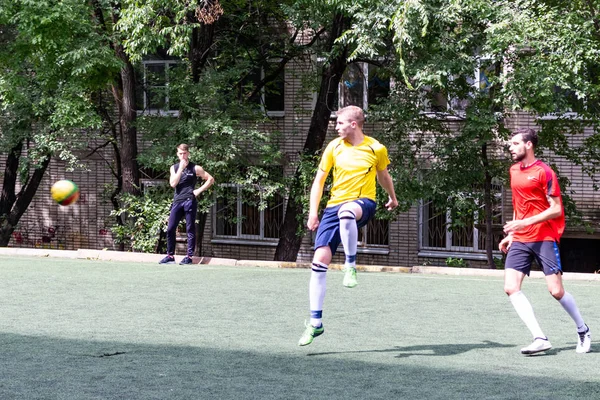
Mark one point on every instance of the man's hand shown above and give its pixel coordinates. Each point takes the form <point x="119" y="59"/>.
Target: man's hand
<point x="391" y="204"/>
<point x="514" y="226"/>
<point x="183" y="163"/>
<point x="505" y="243"/>
<point x="313" y="222"/>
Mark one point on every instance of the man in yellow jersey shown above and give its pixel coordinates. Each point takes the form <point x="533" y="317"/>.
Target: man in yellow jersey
<point x="357" y="161"/>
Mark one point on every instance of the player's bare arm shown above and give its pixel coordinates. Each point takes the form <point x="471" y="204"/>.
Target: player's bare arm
<point x="506" y="243"/>
<point x="385" y="180"/>
<point x="176" y="176"/>
<point x="208" y="180"/>
<point x="316" y="192"/>
<point x="553" y="211"/>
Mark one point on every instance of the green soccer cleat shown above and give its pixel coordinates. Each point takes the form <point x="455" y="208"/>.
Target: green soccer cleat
<point x="350" y="278"/>
<point x="309" y="334"/>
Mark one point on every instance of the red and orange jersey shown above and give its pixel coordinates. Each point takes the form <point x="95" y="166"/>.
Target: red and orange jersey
<point x="530" y="187"/>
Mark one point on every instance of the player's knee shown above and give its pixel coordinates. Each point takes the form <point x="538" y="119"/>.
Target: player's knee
<point x="557" y="292"/>
<point x="346" y="214"/>
<point x="511" y="289"/>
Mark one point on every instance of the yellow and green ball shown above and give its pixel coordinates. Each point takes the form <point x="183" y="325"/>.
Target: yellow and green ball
<point x="65" y="192"/>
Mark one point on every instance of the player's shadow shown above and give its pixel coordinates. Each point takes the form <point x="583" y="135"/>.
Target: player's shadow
<point x="438" y="350"/>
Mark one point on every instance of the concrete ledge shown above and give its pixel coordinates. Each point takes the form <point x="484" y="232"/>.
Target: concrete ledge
<point x="259" y="263"/>
<point x="110" y="255"/>
<point x="14" y="251"/>
<point x="214" y="261"/>
<point x="580" y="277"/>
<point x="420" y="269"/>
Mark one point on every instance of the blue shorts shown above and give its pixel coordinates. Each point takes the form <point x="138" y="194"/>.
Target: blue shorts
<point x="328" y="232"/>
<point x="546" y="254"/>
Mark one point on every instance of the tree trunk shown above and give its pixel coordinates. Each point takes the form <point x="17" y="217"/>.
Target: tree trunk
<point x="488" y="207"/>
<point x="487" y="190"/>
<point x="125" y="99"/>
<point x="290" y="240"/>
<point x="13" y="206"/>
<point x="202" y="41"/>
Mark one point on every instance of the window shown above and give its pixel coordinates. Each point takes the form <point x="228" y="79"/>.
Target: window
<point x="153" y="86"/>
<point x="437" y="100"/>
<point x="238" y="214"/>
<point x="272" y="95"/>
<point x="362" y="85"/>
<point x="374" y="234"/>
<point x="567" y="103"/>
<point x="461" y="231"/>
<point x="148" y="184"/>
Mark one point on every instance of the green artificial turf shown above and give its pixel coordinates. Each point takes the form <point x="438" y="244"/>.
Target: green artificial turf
<point x="82" y="329"/>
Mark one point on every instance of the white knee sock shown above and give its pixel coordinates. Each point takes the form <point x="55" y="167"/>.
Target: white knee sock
<point x="568" y="303"/>
<point x="316" y="292"/>
<point x="525" y="312"/>
<point x="349" y="236"/>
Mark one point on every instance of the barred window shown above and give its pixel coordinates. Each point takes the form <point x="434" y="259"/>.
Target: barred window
<point x="239" y="214"/>
<point x="447" y="230"/>
<point x="374" y="234"/>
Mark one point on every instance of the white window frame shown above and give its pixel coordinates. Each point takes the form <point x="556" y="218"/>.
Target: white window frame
<point x="263" y="100"/>
<point x="239" y="236"/>
<point x="571" y="115"/>
<point x="146" y="184"/>
<point x="156" y="111"/>
<point x="364" y="68"/>
<point x="449" y="248"/>
<point x="453" y="103"/>
<point x="262" y="97"/>
<point x="372" y="247"/>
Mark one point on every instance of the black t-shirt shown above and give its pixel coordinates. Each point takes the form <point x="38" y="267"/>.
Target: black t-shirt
<point x="185" y="188"/>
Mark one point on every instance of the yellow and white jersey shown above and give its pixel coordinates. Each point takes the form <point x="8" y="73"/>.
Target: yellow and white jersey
<point x="354" y="168"/>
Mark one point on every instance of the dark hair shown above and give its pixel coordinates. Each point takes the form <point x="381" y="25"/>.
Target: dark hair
<point x="529" y="135"/>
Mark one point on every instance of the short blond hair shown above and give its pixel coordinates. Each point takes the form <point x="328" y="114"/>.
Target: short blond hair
<point x="184" y="147"/>
<point x="354" y="113"/>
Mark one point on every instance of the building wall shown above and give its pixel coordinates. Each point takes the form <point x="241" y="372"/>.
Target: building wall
<point x="87" y="223"/>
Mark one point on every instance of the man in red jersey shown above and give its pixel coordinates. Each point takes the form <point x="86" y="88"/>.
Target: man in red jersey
<point x="537" y="225"/>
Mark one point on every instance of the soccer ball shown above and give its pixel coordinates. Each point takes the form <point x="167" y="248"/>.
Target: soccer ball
<point x="64" y="192"/>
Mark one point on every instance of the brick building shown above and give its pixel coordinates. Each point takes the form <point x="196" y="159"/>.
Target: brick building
<point x="418" y="236"/>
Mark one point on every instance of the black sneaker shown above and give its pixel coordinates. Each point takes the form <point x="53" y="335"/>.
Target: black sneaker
<point x="186" y="260"/>
<point x="167" y="260"/>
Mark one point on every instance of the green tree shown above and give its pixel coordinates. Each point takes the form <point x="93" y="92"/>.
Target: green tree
<point x="52" y="62"/>
<point x="534" y="56"/>
<point x="220" y="46"/>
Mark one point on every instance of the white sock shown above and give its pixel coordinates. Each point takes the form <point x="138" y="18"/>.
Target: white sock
<point x="568" y="303"/>
<point x="525" y="312"/>
<point x="349" y="236"/>
<point x="316" y="292"/>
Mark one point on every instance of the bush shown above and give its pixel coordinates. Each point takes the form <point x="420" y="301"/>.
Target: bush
<point x="499" y="262"/>
<point x="144" y="217"/>
<point x="456" y="262"/>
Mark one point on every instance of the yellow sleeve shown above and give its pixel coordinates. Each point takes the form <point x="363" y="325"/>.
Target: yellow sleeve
<point x="327" y="159"/>
<point x="382" y="158"/>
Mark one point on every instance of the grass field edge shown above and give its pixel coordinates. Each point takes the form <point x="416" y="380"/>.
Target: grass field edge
<point x="110" y="255"/>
